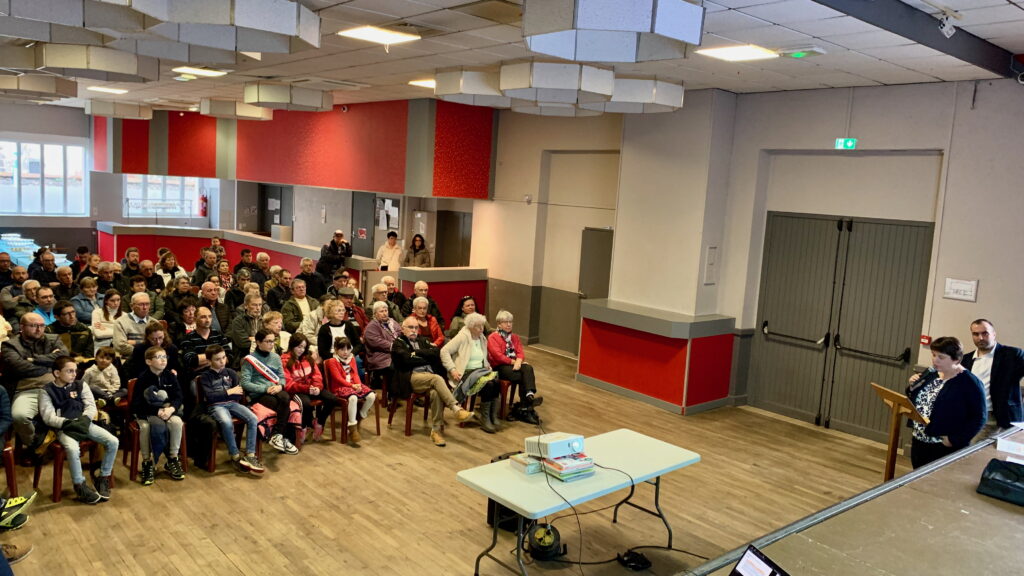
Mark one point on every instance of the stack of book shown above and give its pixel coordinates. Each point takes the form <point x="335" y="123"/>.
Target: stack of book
<point x="526" y="464"/>
<point x="570" y="468"/>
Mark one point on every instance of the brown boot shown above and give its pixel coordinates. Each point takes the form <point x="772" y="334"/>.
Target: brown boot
<point x="353" y="434"/>
<point x="437" y="438"/>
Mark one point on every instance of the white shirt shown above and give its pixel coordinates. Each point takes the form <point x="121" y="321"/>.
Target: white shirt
<point x="982" y="368"/>
<point x="303" y="306"/>
<point x="390" y="256"/>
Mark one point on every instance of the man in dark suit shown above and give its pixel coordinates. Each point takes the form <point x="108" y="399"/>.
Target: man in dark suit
<point x="1000" y="368"/>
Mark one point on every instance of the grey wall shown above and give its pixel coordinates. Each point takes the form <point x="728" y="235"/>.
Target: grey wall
<point x="247" y="197"/>
<point x="310" y="228"/>
<point x="49" y="120"/>
<point x="521" y="300"/>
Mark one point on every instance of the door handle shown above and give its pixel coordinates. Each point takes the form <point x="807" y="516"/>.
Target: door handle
<point x="823" y="341"/>
<point x="902" y="357"/>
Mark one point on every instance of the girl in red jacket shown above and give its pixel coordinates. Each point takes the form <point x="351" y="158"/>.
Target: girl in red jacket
<point x="304" y="382"/>
<point x="343" y="381"/>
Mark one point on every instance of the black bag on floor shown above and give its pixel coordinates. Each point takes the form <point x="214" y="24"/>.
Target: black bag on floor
<point x="507" y="519"/>
<point x="201" y="427"/>
<point x="1003" y="480"/>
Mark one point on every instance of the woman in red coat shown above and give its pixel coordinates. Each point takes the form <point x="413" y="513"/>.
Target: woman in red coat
<point x="505" y="354"/>
<point x="303" y="381"/>
<point x="343" y="381"/>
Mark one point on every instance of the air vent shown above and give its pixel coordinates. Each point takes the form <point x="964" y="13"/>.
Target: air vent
<point x="500" y="11"/>
<point x="324" y="83"/>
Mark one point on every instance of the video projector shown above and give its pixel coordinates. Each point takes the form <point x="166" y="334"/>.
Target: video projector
<point x="554" y="445"/>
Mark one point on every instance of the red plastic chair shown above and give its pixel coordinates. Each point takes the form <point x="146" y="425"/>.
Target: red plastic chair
<point x="134" y="446"/>
<point x="58" y="466"/>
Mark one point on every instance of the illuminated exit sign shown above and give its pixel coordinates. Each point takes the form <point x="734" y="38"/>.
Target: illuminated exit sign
<point x="846" y="143"/>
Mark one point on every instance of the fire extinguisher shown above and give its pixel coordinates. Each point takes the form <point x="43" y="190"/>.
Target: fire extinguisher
<point x="203" y="205"/>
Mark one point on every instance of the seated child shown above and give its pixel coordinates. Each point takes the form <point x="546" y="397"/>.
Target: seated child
<point x="102" y="378"/>
<point x="66" y="404"/>
<point x="222" y="392"/>
<point x="343" y="381"/>
<point x="156" y="405"/>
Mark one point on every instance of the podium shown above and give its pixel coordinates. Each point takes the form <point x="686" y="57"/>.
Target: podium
<point x="899" y="405"/>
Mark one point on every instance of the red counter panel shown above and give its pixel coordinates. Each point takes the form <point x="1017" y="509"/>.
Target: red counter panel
<point x="448" y="294"/>
<point x="710" y="369"/>
<point x="639" y="361"/>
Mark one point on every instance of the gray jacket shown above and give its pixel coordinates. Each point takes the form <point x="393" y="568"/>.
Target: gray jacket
<point x="29" y="364"/>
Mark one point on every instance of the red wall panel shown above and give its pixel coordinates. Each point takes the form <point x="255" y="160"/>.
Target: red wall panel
<point x="448" y="294"/>
<point x="105" y="246"/>
<point x="100" y="158"/>
<point x="135" y="146"/>
<point x="191" y="145"/>
<point x="187" y="250"/>
<point x="361" y="149"/>
<point x="462" y="150"/>
<point x="639" y="361"/>
<point x="710" y="368"/>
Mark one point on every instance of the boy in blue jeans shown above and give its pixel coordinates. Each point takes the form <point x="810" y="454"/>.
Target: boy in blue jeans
<point x="67" y="406"/>
<point x="222" y="391"/>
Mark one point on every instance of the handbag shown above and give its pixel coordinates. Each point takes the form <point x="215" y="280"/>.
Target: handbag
<point x="1003" y="480"/>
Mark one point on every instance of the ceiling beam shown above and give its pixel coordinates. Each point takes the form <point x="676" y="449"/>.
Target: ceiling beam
<point x="923" y="28"/>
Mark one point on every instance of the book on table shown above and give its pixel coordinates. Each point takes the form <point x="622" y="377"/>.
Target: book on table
<point x="569" y="463"/>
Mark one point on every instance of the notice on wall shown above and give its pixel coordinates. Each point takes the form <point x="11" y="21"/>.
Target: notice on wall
<point x="966" y="290"/>
<point x="361" y="233"/>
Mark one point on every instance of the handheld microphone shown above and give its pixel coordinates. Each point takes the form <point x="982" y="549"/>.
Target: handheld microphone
<point x="927" y="376"/>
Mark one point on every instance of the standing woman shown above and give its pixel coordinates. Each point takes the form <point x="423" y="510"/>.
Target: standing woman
<point x="103" y="319"/>
<point x="304" y="382"/>
<point x="417" y="254"/>
<point x="86" y="300"/>
<point x="954" y="404"/>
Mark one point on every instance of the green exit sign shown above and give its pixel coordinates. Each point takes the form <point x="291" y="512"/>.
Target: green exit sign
<point x="846" y="143"/>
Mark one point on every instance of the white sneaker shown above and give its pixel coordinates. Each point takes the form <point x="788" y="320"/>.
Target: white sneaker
<point x="290" y="448"/>
<point x="280" y="443"/>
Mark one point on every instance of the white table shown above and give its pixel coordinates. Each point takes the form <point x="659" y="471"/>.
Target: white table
<point x="643" y="458"/>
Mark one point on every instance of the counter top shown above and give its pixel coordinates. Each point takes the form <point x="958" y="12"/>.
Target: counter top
<point x="655" y="321"/>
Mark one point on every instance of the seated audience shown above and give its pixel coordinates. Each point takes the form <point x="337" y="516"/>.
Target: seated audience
<point x="379" y="336"/>
<point x="157" y="405"/>
<point x="420" y="290"/>
<point x="11" y="293"/>
<point x="245" y="263"/>
<point x="75" y="335"/>
<point x="102" y="377"/>
<point x="87" y="300"/>
<point x="130" y="328"/>
<point x="262" y="378"/>
<point x="298" y="307"/>
<point x="66" y="287"/>
<point x="206" y="268"/>
<point x="467" y="305"/>
<point x="186" y="319"/>
<point x="154" y="281"/>
<point x="954" y="403"/>
<point x="109" y="277"/>
<point x="465" y="359"/>
<point x="505" y="354"/>
<point x="67" y="406"/>
<point x="338" y="282"/>
<point x="46" y="273"/>
<point x="28" y="360"/>
<point x="343" y="381"/>
<point x="417" y="365"/>
<point x="338" y="324"/>
<point x="154" y="336"/>
<point x="44" y="304"/>
<point x="104" y="318"/>
<point x="379" y="293"/>
<point x="316" y="286"/>
<point x="210" y="297"/>
<point x="176" y="292"/>
<point x="138" y="284"/>
<point x="168" y="270"/>
<point x="92" y="268"/>
<point x="223" y="393"/>
<point x="193" y="346"/>
<point x="429" y="327"/>
<point x="281" y="291"/>
<point x="304" y="382"/>
<point x="235" y="296"/>
<point x="353" y="310"/>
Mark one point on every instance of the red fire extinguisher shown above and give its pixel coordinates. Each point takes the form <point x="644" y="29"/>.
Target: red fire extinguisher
<point x="203" y="205"/>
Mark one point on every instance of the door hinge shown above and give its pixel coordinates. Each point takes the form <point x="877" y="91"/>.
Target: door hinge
<point x="817" y="420"/>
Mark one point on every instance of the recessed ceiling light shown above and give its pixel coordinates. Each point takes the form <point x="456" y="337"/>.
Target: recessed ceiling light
<point x="107" y="90"/>
<point x="205" y="72"/>
<point x="379" y="35"/>
<point x="739" y="53"/>
<point x="427" y="83"/>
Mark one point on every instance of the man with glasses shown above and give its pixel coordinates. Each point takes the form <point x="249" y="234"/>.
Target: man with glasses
<point x="79" y="339"/>
<point x="417" y="367"/>
<point x="28" y="362"/>
<point x="44" y="304"/>
<point x="420" y="290"/>
<point x="379" y="293"/>
<point x="130" y="328"/>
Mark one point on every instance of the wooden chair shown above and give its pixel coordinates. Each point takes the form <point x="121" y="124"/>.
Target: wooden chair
<point x="9" y="470"/>
<point x="410" y="407"/>
<point x="134" y="446"/>
<point x="58" y="466"/>
<point x="239" y="426"/>
<point x="343" y="406"/>
<point x="503" y="395"/>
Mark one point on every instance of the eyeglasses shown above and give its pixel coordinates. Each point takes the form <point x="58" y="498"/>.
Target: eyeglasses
<point x="267" y="341"/>
<point x="160" y="357"/>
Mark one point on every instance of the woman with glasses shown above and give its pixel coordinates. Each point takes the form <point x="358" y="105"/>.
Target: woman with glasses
<point x="505" y="353"/>
<point x="262" y="378"/>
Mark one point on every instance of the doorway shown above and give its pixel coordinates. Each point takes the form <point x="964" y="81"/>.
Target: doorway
<point x="275" y="206"/>
<point x="840" y="305"/>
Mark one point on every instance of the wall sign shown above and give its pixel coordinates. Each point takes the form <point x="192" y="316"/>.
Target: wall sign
<point x="966" y="290"/>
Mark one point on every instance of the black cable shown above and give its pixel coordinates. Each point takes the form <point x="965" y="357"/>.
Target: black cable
<point x="687" y="552"/>
<point x="579" y="525"/>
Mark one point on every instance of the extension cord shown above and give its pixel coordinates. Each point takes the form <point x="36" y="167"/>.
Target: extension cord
<point x="635" y="561"/>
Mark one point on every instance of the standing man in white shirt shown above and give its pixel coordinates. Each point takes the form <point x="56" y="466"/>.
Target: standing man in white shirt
<point x="389" y="256"/>
<point x="1000" y="368"/>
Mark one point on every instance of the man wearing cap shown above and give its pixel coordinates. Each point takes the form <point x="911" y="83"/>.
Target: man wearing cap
<point x="316" y="286"/>
<point x="333" y="254"/>
<point x="348" y="296"/>
<point x="339" y="281"/>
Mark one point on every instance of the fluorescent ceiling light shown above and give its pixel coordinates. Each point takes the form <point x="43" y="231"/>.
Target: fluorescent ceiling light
<point x="107" y="90"/>
<point x="205" y="72"/>
<point x="428" y="83"/>
<point x="739" y="53"/>
<point x="378" y="35"/>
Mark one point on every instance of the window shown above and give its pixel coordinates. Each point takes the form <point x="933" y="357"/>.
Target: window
<point x="153" y="195"/>
<point x="43" y="179"/>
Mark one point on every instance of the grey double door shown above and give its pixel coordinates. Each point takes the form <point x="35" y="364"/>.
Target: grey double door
<point x="841" y="305"/>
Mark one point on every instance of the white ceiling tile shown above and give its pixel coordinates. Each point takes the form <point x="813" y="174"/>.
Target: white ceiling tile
<point x="876" y="39"/>
<point x="392" y="8"/>
<point x="502" y="34"/>
<point x="1012" y="29"/>
<point x="1014" y="44"/>
<point x="900" y="52"/>
<point x="964" y="73"/>
<point x="508" y="51"/>
<point x="791" y="11"/>
<point x="843" y="80"/>
<point x="450" y="20"/>
<point x="742" y="3"/>
<point x="715" y="41"/>
<point x="346" y="14"/>
<point x="729" y="20"/>
<point x="931" y="63"/>
<point x="954" y="4"/>
<point x="464" y="40"/>
<point x="801" y="84"/>
<point x="768" y="37"/>
<point x="713" y="6"/>
<point x="991" y="15"/>
<point x="887" y="73"/>
<point x="832" y="26"/>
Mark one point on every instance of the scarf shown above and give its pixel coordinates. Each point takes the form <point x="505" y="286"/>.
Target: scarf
<point x="387" y="326"/>
<point x="344" y="361"/>
<point x="263" y="369"/>
<point x="510" y="350"/>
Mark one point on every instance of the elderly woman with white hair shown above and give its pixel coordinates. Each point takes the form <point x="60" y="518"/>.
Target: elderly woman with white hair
<point x="465" y="359"/>
<point x="505" y="353"/>
<point x="380" y="334"/>
<point x="429" y="327"/>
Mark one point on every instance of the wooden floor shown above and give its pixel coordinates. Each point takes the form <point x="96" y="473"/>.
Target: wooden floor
<point x="393" y="506"/>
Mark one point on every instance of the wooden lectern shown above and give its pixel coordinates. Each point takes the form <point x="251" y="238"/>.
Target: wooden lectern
<point x="898" y="405"/>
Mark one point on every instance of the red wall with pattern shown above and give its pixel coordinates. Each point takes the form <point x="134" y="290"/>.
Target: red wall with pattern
<point x="135" y="146"/>
<point x="462" y="150"/>
<point x="191" y="145"/>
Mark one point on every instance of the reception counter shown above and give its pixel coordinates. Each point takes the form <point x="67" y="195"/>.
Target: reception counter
<point x="448" y="286"/>
<point x="675" y="361"/>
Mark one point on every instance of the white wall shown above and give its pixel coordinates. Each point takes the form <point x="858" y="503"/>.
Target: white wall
<point x="310" y="227"/>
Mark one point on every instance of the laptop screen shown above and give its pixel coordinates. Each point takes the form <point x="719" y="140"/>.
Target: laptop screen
<point x="755" y="563"/>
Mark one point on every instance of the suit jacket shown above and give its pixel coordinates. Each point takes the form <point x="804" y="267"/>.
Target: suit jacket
<point x="1004" y="383"/>
<point x="404" y="359"/>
